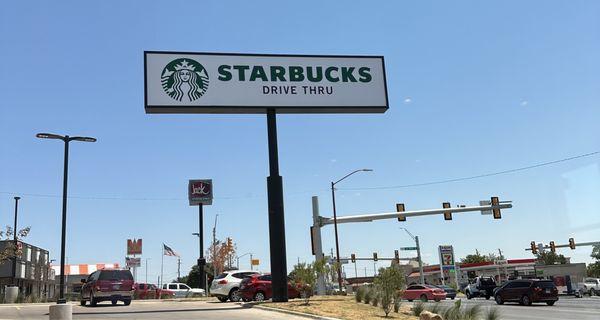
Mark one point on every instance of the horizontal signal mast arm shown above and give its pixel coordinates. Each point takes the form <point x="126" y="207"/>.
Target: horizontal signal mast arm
<point x="415" y="213"/>
<point x="582" y="244"/>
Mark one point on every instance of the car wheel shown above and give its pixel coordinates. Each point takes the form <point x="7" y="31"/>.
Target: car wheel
<point x="259" y="296"/>
<point x="114" y="302"/>
<point x="452" y="298"/>
<point x="498" y="299"/>
<point x="593" y="292"/>
<point x="487" y="297"/>
<point x="550" y="303"/>
<point x="82" y="302"/>
<point x="468" y="294"/>
<point x="93" y="301"/>
<point x="525" y="300"/>
<point x="234" y="295"/>
<point x="410" y="300"/>
<point x="127" y="302"/>
<point x="222" y="299"/>
<point x="423" y="298"/>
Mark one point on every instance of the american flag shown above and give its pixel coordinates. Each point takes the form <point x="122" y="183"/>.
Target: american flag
<point x="167" y="251"/>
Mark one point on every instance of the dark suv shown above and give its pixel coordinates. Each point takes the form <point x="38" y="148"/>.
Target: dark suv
<point x="527" y="291"/>
<point x="107" y="285"/>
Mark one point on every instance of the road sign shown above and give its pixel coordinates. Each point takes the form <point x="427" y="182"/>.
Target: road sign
<point x="501" y="262"/>
<point x="132" y="262"/>
<point x="187" y="82"/>
<point x="408" y="248"/>
<point x="446" y="257"/>
<point x="200" y="192"/>
<point x="255" y="262"/>
<point x="486" y="203"/>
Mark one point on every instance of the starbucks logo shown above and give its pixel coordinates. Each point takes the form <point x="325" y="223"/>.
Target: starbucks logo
<point x="184" y="80"/>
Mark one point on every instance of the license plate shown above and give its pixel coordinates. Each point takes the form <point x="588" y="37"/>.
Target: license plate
<point x="547" y="290"/>
<point x="116" y="287"/>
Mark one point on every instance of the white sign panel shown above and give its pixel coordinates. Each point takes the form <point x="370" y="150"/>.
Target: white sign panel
<point x="179" y="82"/>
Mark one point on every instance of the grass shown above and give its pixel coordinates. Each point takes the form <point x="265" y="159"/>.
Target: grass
<point x="341" y="307"/>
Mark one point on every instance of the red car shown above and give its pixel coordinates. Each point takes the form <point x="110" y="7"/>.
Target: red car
<point x="107" y="285"/>
<point x="151" y="291"/>
<point x="258" y="288"/>
<point x="423" y="293"/>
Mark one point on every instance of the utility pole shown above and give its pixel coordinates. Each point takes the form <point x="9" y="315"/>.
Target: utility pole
<point x="421" y="275"/>
<point x="178" y="268"/>
<point x="15" y="244"/>
<point x="251" y="266"/>
<point x="215" y="247"/>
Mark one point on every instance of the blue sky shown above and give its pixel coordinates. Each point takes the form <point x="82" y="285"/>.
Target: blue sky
<point x="473" y="88"/>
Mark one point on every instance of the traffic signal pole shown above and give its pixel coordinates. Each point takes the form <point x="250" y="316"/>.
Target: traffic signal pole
<point x="421" y="275"/>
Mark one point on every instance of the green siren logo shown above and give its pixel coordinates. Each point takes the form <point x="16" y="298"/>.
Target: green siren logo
<point x="184" y="80"/>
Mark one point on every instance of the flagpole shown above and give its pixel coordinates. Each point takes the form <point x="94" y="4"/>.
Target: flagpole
<point x="162" y="262"/>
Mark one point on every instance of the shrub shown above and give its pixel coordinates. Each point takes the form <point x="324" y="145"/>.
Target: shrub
<point x="358" y="296"/>
<point x="417" y="308"/>
<point x="375" y="298"/>
<point x="492" y="314"/>
<point x="388" y="282"/>
<point x="368" y="295"/>
<point x="434" y="308"/>
<point x="397" y="304"/>
<point x="472" y="313"/>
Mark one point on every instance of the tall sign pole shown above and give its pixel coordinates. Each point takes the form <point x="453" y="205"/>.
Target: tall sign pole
<point x="276" y="218"/>
<point x="200" y="193"/>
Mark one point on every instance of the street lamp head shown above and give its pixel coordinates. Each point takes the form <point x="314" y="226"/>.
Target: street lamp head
<point x="17" y="198"/>
<point x="84" y="139"/>
<point x="196" y="234"/>
<point x="367" y="170"/>
<point x="49" y="136"/>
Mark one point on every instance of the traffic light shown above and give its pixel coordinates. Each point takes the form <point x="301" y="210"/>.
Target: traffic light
<point x="447" y="214"/>
<point x="229" y="243"/>
<point x="533" y="247"/>
<point x="496" y="212"/>
<point x="397" y="256"/>
<point x="552" y="247"/>
<point x="374" y="256"/>
<point x="400" y="208"/>
<point x="572" y="243"/>
<point x="353" y="258"/>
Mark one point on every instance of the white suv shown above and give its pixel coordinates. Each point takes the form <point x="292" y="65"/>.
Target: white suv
<point x="182" y="290"/>
<point x="227" y="284"/>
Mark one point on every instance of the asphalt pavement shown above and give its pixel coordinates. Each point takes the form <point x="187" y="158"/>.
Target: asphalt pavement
<point x="148" y="309"/>
<point x="565" y="308"/>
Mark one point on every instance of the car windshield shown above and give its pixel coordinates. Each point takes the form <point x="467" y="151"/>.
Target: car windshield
<point x="115" y="275"/>
<point x="487" y="281"/>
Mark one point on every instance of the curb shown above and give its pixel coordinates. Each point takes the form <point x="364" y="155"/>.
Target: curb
<point x="295" y="313"/>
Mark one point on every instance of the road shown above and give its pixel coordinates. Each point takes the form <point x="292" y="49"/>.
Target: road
<point x="565" y="308"/>
<point x="180" y="310"/>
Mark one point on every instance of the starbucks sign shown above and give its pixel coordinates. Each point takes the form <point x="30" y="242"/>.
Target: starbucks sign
<point x="180" y="82"/>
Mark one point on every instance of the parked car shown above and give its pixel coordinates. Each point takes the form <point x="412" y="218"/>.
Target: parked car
<point x="450" y="292"/>
<point x="480" y="287"/>
<point x="182" y="290"/>
<point x="424" y="293"/>
<point x="527" y="291"/>
<point x="107" y="285"/>
<point x="227" y="284"/>
<point x="151" y="291"/>
<point x="258" y="288"/>
<point x="590" y="286"/>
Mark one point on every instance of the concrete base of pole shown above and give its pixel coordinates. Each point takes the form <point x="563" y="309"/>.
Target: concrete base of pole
<point x="61" y="311"/>
<point x="11" y="294"/>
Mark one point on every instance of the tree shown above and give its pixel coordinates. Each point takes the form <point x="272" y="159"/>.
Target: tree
<point x="593" y="269"/>
<point x="10" y="251"/>
<point x="388" y="282"/>
<point x="549" y="258"/>
<point x="220" y="255"/>
<point x="476" y="258"/>
<point x="306" y="275"/>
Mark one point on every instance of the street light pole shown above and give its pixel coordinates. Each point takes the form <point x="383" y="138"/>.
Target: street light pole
<point x="337" y="244"/>
<point x="147" y="269"/>
<point x="215" y="247"/>
<point x="14" y="266"/>
<point x="416" y="239"/>
<point x="245" y="254"/>
<point x="66" y="139"/>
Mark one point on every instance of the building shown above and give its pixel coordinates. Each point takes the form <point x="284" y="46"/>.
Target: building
<point x="75" y="272"/>
<point x="33" y="274"/>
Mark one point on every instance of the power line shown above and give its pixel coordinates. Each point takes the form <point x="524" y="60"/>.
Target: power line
<point x="306" y="192"/>
<point x="477" y="176"/>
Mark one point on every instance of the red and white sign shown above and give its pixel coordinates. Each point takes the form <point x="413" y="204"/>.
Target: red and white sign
<point x="200" y="192"/>
<point x="134" y="246"/>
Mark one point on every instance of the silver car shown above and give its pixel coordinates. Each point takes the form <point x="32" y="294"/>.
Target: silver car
<point x="227" y="284"/>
